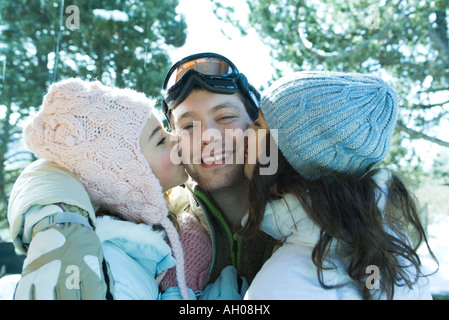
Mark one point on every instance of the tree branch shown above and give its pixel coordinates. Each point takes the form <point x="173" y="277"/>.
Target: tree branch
<point x="430" y="106"/>
<point x="419" y="135"/>
<point x="336" y="55"/>
<point x="430" y="90"/>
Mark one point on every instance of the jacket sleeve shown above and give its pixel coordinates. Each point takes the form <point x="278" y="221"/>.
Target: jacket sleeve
<point x="131" y="281"/>
<point x="40" y="185"/>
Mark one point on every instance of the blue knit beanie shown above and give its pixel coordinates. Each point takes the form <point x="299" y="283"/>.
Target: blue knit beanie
<point x="330" y="122"/>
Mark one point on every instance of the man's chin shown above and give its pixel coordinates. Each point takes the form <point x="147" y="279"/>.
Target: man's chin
<point x="217" y="178"/>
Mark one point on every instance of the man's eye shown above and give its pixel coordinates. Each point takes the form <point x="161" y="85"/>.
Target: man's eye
<point x="187" y="127"/>
<point x="226" y="117"/>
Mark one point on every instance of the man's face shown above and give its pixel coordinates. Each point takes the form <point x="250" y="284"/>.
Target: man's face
<point x="211" y="159"/>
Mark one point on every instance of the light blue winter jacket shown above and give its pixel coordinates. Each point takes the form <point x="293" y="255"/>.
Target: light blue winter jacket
<point x="136" y="255"/>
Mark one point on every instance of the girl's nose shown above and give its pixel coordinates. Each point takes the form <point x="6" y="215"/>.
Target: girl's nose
<point x="173" y="138"/>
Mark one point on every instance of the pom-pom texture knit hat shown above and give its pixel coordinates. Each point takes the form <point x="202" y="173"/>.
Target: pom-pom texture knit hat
<point x="94" y="131"/>
<point x="331" y="122"/>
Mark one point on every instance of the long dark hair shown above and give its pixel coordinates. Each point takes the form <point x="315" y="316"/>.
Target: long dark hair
<point x="346" y="209"/>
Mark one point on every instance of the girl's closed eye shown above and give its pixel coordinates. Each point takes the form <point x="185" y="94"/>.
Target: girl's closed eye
<point x="161" y="141"/>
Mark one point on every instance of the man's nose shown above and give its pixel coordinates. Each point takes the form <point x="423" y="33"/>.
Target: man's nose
<point x="210" y="133"/>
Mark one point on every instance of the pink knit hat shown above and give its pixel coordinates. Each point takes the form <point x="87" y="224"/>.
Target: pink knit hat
<point x="94" y="131"/>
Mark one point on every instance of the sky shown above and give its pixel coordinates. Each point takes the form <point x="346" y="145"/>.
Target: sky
<point x="205" y="33"/>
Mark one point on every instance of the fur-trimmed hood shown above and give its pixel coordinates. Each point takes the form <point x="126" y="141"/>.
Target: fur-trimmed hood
<point x="145" y="245"/>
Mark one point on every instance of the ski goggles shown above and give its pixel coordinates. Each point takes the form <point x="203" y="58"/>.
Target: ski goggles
<point x="211" y="72"/>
